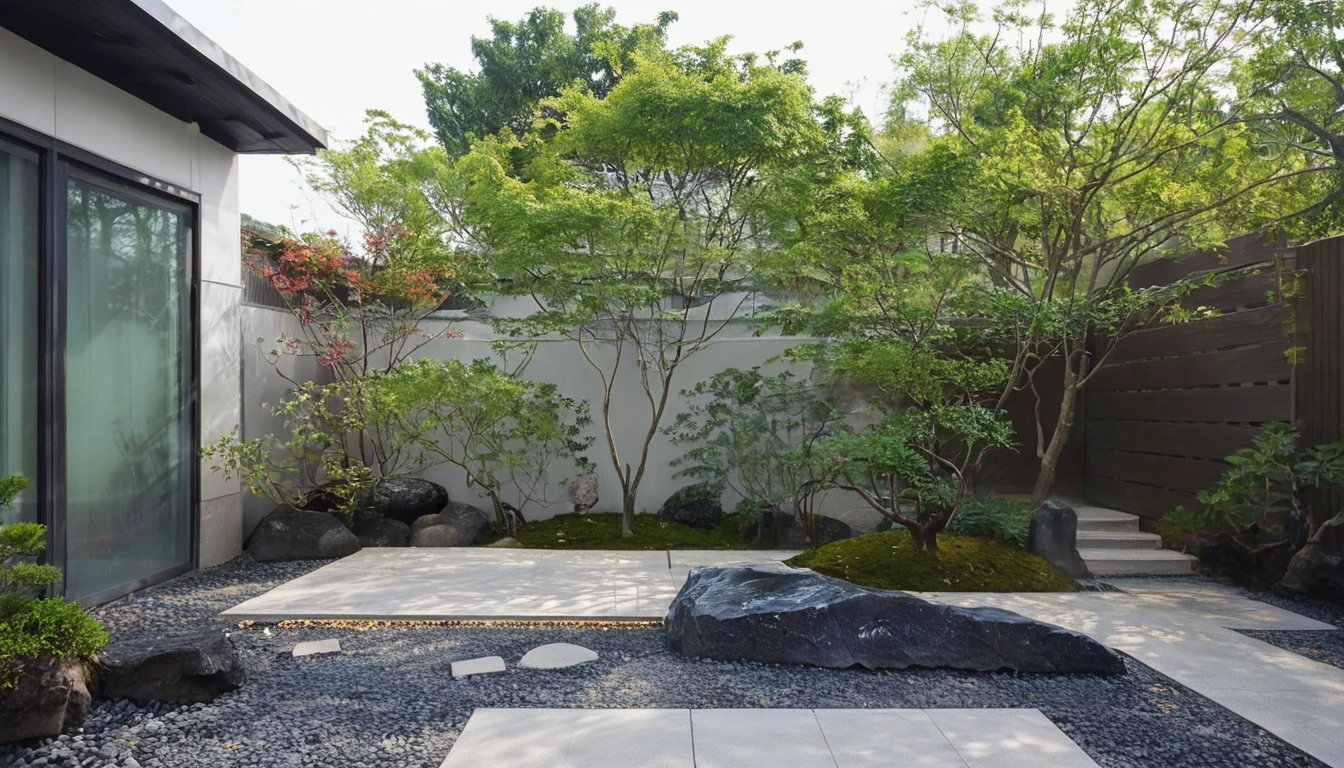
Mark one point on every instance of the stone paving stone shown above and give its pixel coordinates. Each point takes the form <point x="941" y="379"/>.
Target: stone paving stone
<point x="557" y="656"/>
<point x="482" y="666"/>
<point x="314" y="647"/>
<point x="1008" y="738"/>
<point x="574" y="738"/>
<point x="759" y="738"/>
<point x="886" y="738"/>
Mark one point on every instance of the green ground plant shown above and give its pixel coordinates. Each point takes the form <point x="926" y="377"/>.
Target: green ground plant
<point x="892" y="560"/>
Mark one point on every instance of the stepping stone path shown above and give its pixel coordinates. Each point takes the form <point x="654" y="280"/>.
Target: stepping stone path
<point x="481" y="666"/>
<point x="557" y="656"/>
<point x="315" y="647"/>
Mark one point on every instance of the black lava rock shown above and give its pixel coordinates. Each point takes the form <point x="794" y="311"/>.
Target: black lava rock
<point x="776" y="614"/>
<point x="51" y="697"/>
<point x="410" y="498"/>
<point x="1053" y="534"/>
<point x="294" y="534"/>
<point x="457" y="525"/>
<point x="784" y="531"/>
<point x="694" y="505"/>
<point x="189" y="667"/>
<point x="387" y="533"/>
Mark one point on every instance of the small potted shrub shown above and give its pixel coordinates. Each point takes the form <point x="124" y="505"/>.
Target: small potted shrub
<point x="46" y="644"/>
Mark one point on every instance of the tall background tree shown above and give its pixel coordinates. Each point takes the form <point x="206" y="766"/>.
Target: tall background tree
<point x="1108" y="140"/>
<point x="524" y="62"/>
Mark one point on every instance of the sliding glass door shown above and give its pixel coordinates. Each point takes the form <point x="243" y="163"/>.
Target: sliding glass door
<point x="128" y="384"/>
<point x="19" y="253"/>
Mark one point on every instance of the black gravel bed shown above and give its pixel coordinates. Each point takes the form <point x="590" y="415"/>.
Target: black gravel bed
<point x="388" y="698"/>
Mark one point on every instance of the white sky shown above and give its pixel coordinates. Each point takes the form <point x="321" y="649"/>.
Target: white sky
<point x="334" y="59"/>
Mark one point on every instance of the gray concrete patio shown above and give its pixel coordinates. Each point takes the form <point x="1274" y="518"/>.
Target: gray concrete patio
<point x="456" y="583"/>
<point x="763" y="738"/>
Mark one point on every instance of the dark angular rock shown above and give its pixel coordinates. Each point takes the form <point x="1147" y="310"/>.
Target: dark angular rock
<point x="1318" y="568"/>
<point x="410" y="498"/>
<point x="457" y="525"/>
<point x="784" y="531"/>
<point x="369" y="507"/>
<point x="694" y="505"/>
<point x="387" y="533"/>
<point x="189" y="667"/>
<point x="1053" y="534"/>
<point x="52" y="697"/>
<point x="777" y="614"/>
<point x="293" y="534"/>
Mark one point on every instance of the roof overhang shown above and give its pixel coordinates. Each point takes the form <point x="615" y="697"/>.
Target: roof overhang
<point x="144" y="48"/>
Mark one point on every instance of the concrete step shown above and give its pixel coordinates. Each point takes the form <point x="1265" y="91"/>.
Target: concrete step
<point x="1124" y="540"/>
<point x="1102" y="519"/>
<point x="1114" y="562"/>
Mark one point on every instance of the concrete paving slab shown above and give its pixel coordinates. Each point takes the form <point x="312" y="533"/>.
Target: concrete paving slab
<point x="1008" y="738"/>
<point x="886" y="738"/>
<point x="764" y="738"/>
<point x="759" y="738"/>
<point x="574" y="738"/>
<point x="483" y="666"/>
<point x="315" y="647"/>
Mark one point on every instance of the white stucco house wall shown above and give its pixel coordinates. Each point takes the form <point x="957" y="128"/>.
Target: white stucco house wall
<point x="120" y="282"/>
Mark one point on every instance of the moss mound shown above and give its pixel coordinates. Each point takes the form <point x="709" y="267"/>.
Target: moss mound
<point x="963" y="564"/>
<point x="603" y="531"/>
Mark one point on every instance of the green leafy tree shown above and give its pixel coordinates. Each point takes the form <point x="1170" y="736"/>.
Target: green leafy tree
<point x="525" y="62"/>
<point x="1095" y="145"/>
<point x="757" y="436"/>
<point x="504" y="432"/>
<point x="638" y="238"/>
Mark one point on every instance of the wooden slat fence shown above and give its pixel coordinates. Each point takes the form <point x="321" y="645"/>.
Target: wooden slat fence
<point x="1173" y="400"/>
<point x="1319" y="322"/>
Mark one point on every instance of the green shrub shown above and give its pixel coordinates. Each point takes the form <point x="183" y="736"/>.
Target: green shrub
<point x="994" y="517"/>
<point x="46" y="627"/>
<point x="29" y="626"/>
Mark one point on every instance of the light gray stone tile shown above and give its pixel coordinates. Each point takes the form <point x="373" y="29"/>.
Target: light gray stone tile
<point x="557" y="656"/>
<point x="316" y="647"/>
<point x="886" y="738"/>
<point x="1008" y="738"/>
<point x="482" y="666"/>
<point x="759" y="738"/>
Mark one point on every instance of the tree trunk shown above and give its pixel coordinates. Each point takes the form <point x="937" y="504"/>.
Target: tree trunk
<point x="628" y="514"/>
<point x="926" y="538"/>
<point x="1045" y="479"/>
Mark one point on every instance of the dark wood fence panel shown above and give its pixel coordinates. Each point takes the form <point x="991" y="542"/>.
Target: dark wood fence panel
<point x="1320" y="339"/>
<point x="1171" y="401"/>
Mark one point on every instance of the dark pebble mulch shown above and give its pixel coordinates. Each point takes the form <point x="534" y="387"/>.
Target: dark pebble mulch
<point x="388" y="698"/>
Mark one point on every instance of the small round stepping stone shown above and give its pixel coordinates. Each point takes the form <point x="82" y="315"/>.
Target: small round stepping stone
<point x="314" y="647"/>
<point x="481" y="666"/>
<point x="558" y="656"/>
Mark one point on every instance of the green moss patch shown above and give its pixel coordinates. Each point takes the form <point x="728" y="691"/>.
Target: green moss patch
<point x="603" y="531"/>
<point x="963" y="564"/>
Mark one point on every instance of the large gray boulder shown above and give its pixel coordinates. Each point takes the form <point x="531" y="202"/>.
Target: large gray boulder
<point x="777" y="614"/>
<point x="457" y="525"/>
<point x="52" y="697"/>
<point x="293" y="534"/>
<point x="410" y="498"/>
<point x="1053" y="534"/>
<point x="582" y="492"/>
<point x="784" y="531"/>
<point x="365" y="513"/>
<point x="188" y="667"/>
<point x="695" y="505"/>
<point x="386" y="533"/>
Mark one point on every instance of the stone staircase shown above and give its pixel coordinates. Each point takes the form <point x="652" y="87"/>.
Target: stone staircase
<point x="1111" y="544"/>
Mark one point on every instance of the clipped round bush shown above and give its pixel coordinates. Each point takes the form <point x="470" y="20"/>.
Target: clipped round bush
<point x="889" y="560"/>
<point x="47" y="627"/>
